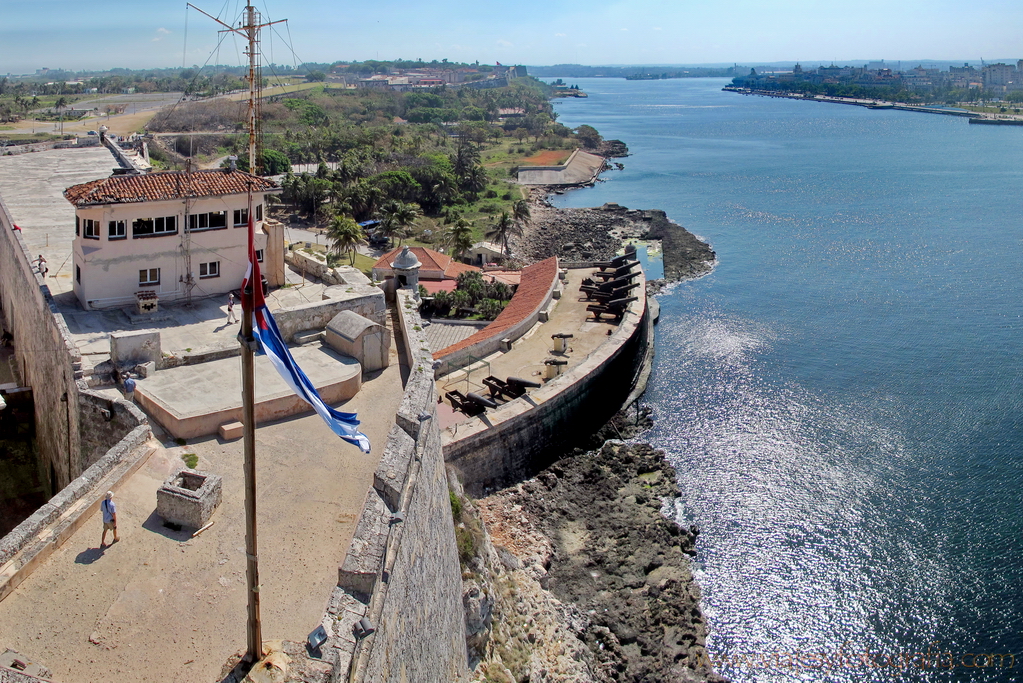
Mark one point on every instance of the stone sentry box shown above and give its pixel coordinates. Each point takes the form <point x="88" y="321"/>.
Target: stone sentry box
<point x="189" y="498"/>
<point x="368" y="342"/>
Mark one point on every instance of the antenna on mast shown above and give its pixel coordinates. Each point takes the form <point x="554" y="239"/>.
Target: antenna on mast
<point x="254" y="632"/>
<point x="249" y="29"/>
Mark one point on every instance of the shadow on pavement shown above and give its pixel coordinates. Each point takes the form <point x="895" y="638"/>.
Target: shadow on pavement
<point x="89" y="555"/>
<point x="155" y="524"/>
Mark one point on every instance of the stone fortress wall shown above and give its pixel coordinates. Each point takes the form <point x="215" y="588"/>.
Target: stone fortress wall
<point x="519" y="437"/>
<point x="118" y="433"/>
<point x="402" y="571"/>
<point x="48" y="360"/>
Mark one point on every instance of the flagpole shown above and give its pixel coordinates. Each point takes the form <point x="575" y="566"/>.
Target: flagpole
<point x="254" y="631"/>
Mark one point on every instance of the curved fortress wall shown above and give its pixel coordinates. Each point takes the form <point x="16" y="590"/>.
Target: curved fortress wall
<point x="524" y="435"/>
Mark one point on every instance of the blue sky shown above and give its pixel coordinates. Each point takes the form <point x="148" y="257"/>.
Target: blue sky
<point x="103" y="34"/>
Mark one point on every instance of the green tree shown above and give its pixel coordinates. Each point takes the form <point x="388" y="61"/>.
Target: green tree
<point x="460" y="237"/>
<point x="344" y="235"/>
<point x="589" y="136"/>
<point x="520" y="211"/>
<point x="398" y="219"/>
<point x="502" y="229"/>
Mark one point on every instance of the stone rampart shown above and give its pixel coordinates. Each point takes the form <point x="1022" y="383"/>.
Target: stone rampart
<point x="366" y="300"/>
<point x="312" y="264"/>
<point x="519" y="438"/>
<point x="32" y="541"/>
<point x="401" y="571"/>
<point x="103" y="423"/>
<point x="48" y="360"/>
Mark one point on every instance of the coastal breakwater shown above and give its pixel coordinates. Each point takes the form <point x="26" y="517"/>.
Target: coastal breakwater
<point x="860" y="102"/>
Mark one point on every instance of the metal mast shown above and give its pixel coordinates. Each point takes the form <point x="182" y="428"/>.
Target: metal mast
<point x="254" y="633"/>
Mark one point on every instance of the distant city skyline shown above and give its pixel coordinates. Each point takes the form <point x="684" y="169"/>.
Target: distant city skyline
<point x="115" y="33"/>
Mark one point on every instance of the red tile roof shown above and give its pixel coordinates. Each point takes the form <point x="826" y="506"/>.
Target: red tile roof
<point x="434" y="286"/>
<point x="151" y="187"/>
<point x="536" y="282"/>
<point x="430" y="260"/>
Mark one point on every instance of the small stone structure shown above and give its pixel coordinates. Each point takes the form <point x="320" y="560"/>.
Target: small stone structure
<point x="364" y="340"/>
<point x="189" y="498"/>
<point x="406" y="270"/>
<point x="134" y="348"/>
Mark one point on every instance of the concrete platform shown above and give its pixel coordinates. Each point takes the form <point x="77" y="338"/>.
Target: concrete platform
<point x="194" y="400"/>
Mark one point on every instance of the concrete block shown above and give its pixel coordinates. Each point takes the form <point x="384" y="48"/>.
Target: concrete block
<point x="189" y="498"/>
<point x="134" y="348"/>
<point x="229" y="431"/>
<point x="145" y="369"/>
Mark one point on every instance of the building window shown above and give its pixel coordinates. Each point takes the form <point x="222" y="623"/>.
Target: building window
<point x="165" y="225"/>
<point x="116" y="230"/>
<point x="149" y="276"/>
<point x="259" y="255"/>
<point x="78" y="226"/>
<point x="241" y="217"/>
<point x="211" y="269"/>
<point x="90" y="229"/>
<point x="78" y="274"/>
<point x="259" y="212"/>
<point x="207" y="221"/>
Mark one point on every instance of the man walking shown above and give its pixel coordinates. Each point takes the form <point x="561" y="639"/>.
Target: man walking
<point x="41" y="264"/>
<point x="109" y="519"/>
<point x="129" y="388"/>
<point x="230" y="308"/>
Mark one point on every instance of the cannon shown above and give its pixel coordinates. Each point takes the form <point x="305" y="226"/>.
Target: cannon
<point x="560" y="343"/>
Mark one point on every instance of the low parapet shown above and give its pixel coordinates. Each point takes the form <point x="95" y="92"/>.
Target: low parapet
<point x="533" y="295"/>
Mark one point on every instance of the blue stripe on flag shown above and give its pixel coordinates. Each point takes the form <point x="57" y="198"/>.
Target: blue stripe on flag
<point x="272" y="344"/>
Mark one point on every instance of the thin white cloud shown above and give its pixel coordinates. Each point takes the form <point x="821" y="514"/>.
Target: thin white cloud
<point x="624" y="29"/>
<point x="504" y="43"/>
<point x="559" y="35"/>
<point x="657" y="28"/>
<point x="163" y="31"/>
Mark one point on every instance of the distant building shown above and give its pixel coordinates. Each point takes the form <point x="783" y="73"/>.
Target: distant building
<point x="483" y="253"/>
<point x="437" y="271"/>
<point x="136" y="234"/>
<point x="997" y="76"/>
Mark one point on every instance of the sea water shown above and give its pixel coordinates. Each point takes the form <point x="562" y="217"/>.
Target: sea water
<point x="841" y="396"/>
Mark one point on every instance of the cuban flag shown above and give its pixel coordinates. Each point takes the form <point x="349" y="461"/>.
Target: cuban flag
<point x="264" y="329"/>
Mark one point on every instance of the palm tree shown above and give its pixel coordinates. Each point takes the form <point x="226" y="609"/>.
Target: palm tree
<point x="345" y="235"/>
<point x="460" y="237"/>
<point x="520" y="211"/>
<point x="503" y="228"/>
<point x="398" y="218"/>
<point x="475" y="180"/>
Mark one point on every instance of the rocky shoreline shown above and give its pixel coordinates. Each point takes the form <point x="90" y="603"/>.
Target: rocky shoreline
<point x="596" y="235"/>
<point x="576" y="574"/>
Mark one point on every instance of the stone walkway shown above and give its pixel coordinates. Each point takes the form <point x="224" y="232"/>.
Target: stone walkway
<point x="161" y="605"/>
<point x="527" y="355"/>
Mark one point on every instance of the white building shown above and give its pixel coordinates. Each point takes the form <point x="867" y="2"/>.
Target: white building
<point x="136" y="234"/>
